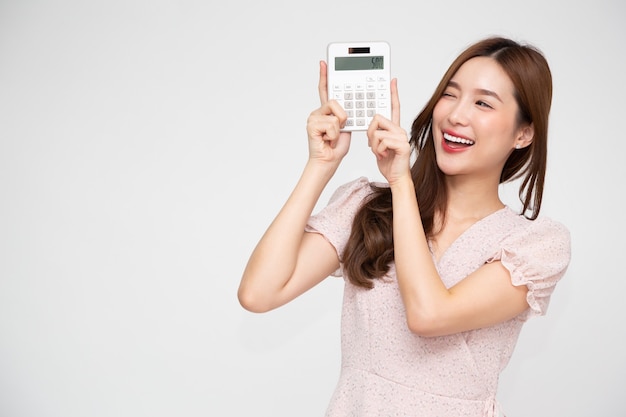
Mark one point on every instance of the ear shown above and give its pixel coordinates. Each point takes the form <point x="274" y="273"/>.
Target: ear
<point x="525" y="137"/>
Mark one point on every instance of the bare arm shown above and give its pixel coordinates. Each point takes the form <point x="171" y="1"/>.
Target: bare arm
<point x="484" y="298"/>
<point x="288" y="261"/>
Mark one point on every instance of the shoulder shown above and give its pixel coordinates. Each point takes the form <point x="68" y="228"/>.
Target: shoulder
<point x="537" y="254"/>
<point x="540" y="247"/>
<point x="351" y="195"/>
<point x="334" y="221"/>
<point x="359" y="187"/>
<point x="344" y="203"/>
<point x="541" y="229"/>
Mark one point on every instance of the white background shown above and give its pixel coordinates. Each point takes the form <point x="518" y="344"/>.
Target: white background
<point x="146" y="145"/>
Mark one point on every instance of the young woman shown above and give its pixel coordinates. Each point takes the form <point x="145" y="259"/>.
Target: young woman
<point x="440" y="274"/>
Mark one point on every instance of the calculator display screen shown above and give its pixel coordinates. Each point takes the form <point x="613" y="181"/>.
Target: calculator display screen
<point x="355" y="63"/>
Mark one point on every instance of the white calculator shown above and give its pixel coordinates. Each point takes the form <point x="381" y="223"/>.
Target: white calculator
<point x="359" y="79"/>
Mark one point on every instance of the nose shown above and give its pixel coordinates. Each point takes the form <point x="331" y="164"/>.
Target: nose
<point x="459" y="113"/>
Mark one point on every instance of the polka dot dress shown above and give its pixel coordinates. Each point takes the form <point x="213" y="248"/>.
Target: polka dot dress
<point x="388" y="371"/>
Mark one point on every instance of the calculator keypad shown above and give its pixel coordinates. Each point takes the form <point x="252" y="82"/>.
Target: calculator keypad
<point x="362" y="100"/>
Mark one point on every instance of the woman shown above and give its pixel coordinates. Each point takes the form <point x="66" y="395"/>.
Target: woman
<point x="440" y="273"/>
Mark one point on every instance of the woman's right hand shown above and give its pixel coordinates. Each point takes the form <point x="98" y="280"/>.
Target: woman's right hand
<point x="327" y="144"/>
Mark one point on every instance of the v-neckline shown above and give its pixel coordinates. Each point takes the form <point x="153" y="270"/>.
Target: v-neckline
<point x="459" y="237"/>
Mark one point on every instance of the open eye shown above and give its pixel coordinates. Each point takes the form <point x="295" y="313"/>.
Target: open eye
<point x="481" y="103"/>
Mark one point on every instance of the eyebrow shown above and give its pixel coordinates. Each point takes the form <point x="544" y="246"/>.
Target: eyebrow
<point x="482" y="91"/>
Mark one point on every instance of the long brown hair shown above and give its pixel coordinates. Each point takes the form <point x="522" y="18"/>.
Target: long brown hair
<point x="369" y="250"/>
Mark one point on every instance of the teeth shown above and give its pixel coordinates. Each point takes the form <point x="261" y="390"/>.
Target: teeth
<point x="451" y="138"/>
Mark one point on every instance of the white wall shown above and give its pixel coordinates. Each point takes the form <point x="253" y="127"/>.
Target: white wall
<point x="146" y="145"/>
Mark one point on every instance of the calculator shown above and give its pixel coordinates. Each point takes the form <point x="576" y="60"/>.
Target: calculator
<point x="359" y="79"/>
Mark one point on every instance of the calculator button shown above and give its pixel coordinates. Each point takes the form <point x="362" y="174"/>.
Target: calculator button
<point x="362" y="99"/>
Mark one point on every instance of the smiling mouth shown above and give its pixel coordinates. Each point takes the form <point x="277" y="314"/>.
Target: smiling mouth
<point x="454" y="140"/>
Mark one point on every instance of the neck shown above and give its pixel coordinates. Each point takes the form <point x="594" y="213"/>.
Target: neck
<point x="472" y="200"/>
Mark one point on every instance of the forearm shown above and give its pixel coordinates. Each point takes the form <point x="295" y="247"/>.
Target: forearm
<point x="274" y="259"/>
<point x="423" y="292"/>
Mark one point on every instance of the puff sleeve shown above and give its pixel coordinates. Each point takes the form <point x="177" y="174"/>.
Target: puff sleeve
<point x="334" y="221"/>
<point x="536" y="256"/>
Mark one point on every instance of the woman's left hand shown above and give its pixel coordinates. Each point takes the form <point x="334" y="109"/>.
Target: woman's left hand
<point x="389" y="142"/>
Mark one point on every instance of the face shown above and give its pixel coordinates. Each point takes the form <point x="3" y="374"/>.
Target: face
<point x="475" y="124"/>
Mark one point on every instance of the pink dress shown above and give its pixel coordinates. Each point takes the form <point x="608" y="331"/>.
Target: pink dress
<point x="387" y="371"/>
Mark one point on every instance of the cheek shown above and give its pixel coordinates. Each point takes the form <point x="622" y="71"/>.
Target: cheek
<point x="439" y="117"/>
<point x="438" y="112"/>
<point x="508" y="134"/>
<point x="497" y="128"/>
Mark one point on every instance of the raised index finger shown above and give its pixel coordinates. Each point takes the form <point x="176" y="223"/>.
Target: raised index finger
<point x="395" y="102"/>
<point x="323" y="83"/>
